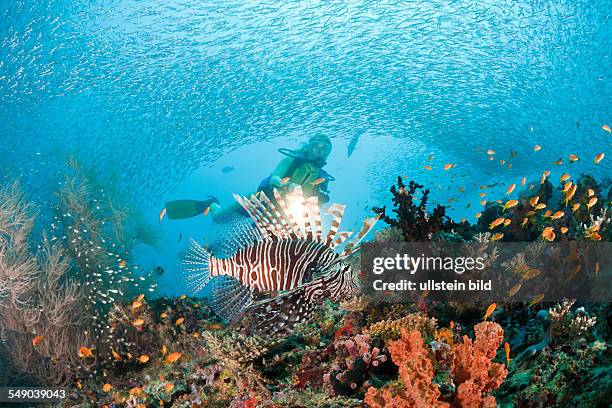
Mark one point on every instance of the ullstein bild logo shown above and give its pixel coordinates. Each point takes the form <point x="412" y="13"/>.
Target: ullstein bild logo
<point x="487" y="271"/>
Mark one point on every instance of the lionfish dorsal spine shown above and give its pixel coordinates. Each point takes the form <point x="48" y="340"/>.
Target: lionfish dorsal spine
<point x="296" y="231"/>
<point x="314" y="211"/>
<point x="353" y="244"/>
<point x="337" y="212"/>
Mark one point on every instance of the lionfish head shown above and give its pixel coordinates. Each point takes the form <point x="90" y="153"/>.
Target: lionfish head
<point x="343" y="282"/>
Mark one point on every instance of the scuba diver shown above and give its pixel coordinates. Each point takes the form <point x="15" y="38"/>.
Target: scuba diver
<point x="303" y="167"/>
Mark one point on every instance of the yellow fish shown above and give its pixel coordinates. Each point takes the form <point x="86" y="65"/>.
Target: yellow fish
<point x="36" y="340"/>
<point x="537" y="148"/>
<point x="557" y="215"/>
<point x="164" y="350"/>
<point x="122" y="264"/>
<point x="448" y="166"/>
<point x="179" y="321"/>
<point x="495" y="223"/>
<point x="85" y="352"/>
<point x="573" y="158"/>
<point x="490" y="310"/>
<point x="592" y="202"/>
<point x="143" y="358"/>
<point x="162" y="213"/>
<point x="507" y="350"/>
<point x="318" y="181"/>
<point x="509" y="204"/>
<point x="599" y="158"/>
<point x="172" y="357"/>
<point x="549" y="234"/>
<point x="607" y="128"/>
<point x="116" y="355"/>
<point x="183" y="297"/>
<point x="106" y="387"/>
<point x="510" y="189"/>
<point x="531" y="273"/>
<point x="594" y="236"/>
<point x="570" y="193"/>
<point x="514" y="289"/>
<point x="536" y="299"/>
<point x="564" y="177"/>
<point x="427" y="167"/>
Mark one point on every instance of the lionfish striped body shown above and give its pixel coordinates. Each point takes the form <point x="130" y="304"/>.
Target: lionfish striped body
<point x="285" y="249"/>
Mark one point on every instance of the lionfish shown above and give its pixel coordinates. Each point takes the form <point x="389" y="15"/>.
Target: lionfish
<point x="283" y="252"/>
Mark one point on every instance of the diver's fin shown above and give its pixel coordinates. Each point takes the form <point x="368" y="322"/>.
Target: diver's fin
<point x="229" y="298"/>
<point x="181" y="209"/>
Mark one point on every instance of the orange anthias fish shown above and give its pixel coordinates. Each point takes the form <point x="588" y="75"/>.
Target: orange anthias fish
<point x="497" y="237"/>
<point x="591" y="192"/>
<point x="136" y="304"/>
<point x="509" y="204"/>
<point x="534" y="201"/>
<point x="427" y="167"/>
<point x="478" y="215"/>
<point x="540" y="206"/>
<point x="564" y="230"/>
<point x="285" y="180"/>
<point x="489" y="311"/>
<point x="36" y="340"/>
<point x="495" y="223"/>
<point x="507" y="222"/>
<point x="85" y="352"/>
<point x="607" y="128"/>
<point x="162" y="213"/>
<point x="138" y="322"/>
<point x="164" y="350"/>
<point x="514" y="289"/>
<point x="573" y="158"/>
<point x="448" y="166"/>
<point x="318" y="181"/>
<point x="525" y="221"/>
<point x="169" y="387"/>
<point x="173" y="357"/>
<point x="116" y="355"/>
<point x="523" y="181"/>
<point x="179" y="321"/>
<point x="557" y="215"/>
<point x="507" y="350"/>
<point x="537" y="148"/>
<point x="591" y="202"/>
<point x="549" y="234"/>
<point x="144" y="358"/>
<point x="599" y="158"/>
<point x="106" y="387"/>
<point x="490" y="152"/>
<point x="531" y="273"/>
<point x="575" y="207"/>
<point x="564" y="177"/>
<point x="510" y="189"/>
<point x="536" y="299"/>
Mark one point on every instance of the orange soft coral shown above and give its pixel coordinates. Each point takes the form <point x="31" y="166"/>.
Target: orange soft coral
<point x="473" y="372"/>
<point x="416" y="373"/>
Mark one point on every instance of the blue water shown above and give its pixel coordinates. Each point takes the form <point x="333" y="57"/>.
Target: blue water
<point x="162" y="95"/>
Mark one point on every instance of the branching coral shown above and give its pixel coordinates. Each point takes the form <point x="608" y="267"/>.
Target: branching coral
<point x="473" y="372"/>
<point x="41" y="306"/>
<point x="391" y="329"/>
<point x="415" y="223"/>
<point x="564" y="324"/>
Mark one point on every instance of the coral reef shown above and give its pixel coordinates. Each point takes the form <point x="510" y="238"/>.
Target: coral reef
<point x="391" y="329"/>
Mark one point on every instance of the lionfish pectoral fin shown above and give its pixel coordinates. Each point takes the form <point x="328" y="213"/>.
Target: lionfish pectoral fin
<point x="196" y="263"/>
<point x="229" y="298"/>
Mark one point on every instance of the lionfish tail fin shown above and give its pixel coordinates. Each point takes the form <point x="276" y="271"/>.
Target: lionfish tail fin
<point x="196" y="263"/>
